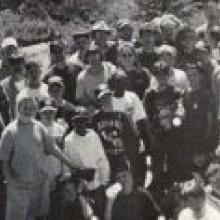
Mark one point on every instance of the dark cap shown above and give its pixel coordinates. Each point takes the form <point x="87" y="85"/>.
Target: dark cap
<point x="16" y="58"/>
<point x="56" y="47"/>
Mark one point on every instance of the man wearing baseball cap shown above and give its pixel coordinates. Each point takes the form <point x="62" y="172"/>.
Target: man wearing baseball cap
<point x="148" y="34"/>
<point x="101" y="33"/>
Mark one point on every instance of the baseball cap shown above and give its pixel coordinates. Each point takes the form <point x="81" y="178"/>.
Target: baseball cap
<point x="167" y="49"/>
<point x="149" y="27"/>
<point x="101" y="26"/>
<point x="9" y="41"/>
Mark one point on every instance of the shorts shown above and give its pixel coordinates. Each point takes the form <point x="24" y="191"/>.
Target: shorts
<point x="27" y="204"/>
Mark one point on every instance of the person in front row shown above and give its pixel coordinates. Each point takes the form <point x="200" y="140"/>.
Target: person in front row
<point x="24" y="147"/>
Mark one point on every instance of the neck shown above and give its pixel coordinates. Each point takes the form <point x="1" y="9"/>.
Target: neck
<point x="119" y="94"/>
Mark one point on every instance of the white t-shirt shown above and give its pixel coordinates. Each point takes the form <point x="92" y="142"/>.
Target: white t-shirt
<point x="210" y="213"/>
<point x="131" y="105"/>
<point x="87" y="152"/>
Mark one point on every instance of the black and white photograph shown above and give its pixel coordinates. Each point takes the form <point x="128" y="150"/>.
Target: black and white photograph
<point x="109" y="109"/>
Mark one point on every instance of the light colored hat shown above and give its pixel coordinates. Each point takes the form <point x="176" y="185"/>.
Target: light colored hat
<point x="9" y="41"/>
<point x="164" y="49"/>
<point x="101" y="26"/>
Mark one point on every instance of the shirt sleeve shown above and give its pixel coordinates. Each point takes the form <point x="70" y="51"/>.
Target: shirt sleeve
<point x="139" y="112"/>
<point x="6" y="146"/>
<point x="102" y="161"/>
<point x="48" y="141"/>
<point x="79" y="89"/>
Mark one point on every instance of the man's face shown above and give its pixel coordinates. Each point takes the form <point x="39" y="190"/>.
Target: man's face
<point x="56" y="90"/>
<point x="125" y="179"/>
<point x="27" y="109"/>
<point x="126" y="58"/>
<point x="212" y="10"/>
<point x="57" y="57"/>
<point x="125" y="34"/>
<point x="101" y="36"/>
<point x="48" y="117"/>
<point x="148" y="39"/>
<point x="17" y="69"/>
<point x="168" y="33"/>
<point x="82" y="43"/>
<point x="189" y="42"/>
<point x="168" y="59"/>
<point x="33" y="76"/>
<point x="94" y="58"/>
<point x="80" y="126"/>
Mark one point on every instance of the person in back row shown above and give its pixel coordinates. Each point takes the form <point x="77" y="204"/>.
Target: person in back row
<point x="60" y="68"/>
<point x="146" y="55"/>
<point x="9" y="47"/>
<point x="95" y="73"/>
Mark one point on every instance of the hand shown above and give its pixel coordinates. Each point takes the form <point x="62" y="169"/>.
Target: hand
<point x="82" y="187"/>
<point x="112" y="191"/>
<point x="148" y="179"/>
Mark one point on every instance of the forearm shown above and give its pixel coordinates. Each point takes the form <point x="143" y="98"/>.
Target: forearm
<point x="144" y="135"/>
<point x="62" y="157"/>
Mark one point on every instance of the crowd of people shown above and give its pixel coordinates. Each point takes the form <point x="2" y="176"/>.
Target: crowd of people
<point x="121" y="128"/>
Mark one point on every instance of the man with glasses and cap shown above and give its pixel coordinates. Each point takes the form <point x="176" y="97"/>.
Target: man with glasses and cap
<point x="9" y="46"/>
<point x="81" y="44"/>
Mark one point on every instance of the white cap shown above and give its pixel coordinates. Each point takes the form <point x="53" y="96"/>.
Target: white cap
<point x="9" y="41"/>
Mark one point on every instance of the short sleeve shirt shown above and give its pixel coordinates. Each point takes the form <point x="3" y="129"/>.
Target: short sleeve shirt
<point x="24" y="147"/>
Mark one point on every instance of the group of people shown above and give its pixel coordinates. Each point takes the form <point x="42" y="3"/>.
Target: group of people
<point x="122" y="128"/>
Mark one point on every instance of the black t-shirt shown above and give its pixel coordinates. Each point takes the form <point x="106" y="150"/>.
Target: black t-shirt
<point x="135" y="206"/>
<point x="161" y="107"/>
<point x="117" y="134"/>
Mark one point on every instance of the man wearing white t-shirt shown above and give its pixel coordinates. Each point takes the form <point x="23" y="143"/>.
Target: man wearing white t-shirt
<point x="128" y="102"/>
<point x="85" y="149"/>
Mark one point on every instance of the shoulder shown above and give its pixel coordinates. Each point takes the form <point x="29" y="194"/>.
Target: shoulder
<point x="82" y="75"/>
<point x="5" y="82"/>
